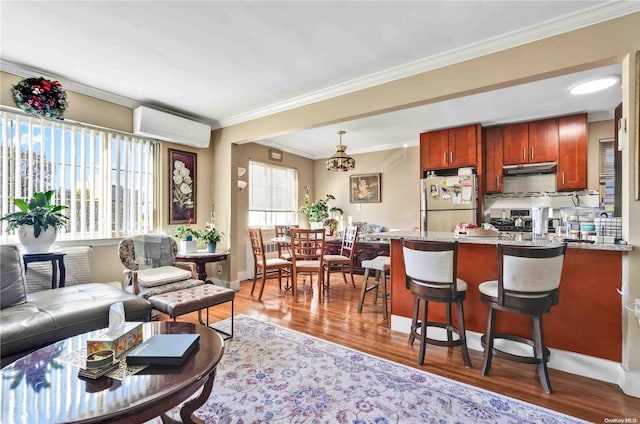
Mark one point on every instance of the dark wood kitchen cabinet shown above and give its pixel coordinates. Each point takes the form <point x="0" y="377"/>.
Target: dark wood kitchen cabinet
<point x="543" y="140"/>
<point x="516" y="143"/>
<point x="449" y="148"/>
<point x="531" y="142"/>
<point x="572" y="153"/>
<point x="493" y="139"/>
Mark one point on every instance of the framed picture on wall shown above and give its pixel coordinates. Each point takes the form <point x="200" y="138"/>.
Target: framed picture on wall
<point x="182" y="187"/>
<point x="365" y="188"/>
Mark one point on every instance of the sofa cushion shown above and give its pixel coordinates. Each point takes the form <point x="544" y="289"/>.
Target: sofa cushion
<point x="152" y="277"/>
<point x="12" y="287"/>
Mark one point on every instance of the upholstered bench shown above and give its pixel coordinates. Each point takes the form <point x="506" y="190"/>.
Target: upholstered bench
<point x="180" y="302"/>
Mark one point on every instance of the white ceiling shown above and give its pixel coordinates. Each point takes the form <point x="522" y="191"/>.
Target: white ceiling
<point x="227" y="62"/>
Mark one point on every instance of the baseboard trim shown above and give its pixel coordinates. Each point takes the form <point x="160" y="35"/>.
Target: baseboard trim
<point x="571" y="362"/>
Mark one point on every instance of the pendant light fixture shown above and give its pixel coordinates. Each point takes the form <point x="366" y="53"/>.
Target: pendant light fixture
<point x="340" y="161"/>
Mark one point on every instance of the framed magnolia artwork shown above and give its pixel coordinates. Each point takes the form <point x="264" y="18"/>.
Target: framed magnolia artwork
<point x="182" y="187"/>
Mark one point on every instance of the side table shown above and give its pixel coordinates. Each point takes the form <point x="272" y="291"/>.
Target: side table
<point x="201" y="258"/>
<point x="57" y="263"/>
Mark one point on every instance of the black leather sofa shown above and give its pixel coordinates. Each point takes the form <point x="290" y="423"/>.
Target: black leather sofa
<point x="29" y="321"/>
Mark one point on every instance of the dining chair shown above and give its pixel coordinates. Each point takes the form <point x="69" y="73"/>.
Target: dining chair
<point x="307" y="256"/>
<point x="284" y="250"/>
<point x="264" y="264"/>
<point x="344" y="261"/>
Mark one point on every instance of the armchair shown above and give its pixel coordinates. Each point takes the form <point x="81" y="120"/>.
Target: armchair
<point x="151" y="268"/>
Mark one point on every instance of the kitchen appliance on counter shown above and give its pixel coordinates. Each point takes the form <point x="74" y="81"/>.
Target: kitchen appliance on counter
<point x="519" y="220"/>
<point x="448" y="200"/>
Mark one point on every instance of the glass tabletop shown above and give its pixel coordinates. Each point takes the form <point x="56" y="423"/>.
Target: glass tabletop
<point x="39" y="388"/>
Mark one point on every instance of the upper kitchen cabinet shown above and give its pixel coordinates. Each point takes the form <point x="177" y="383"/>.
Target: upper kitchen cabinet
<point x="449" y="148"/>
<point x="572" y="153"/>
<point x="531" y="142"/>
<point x="516" y="143"/>
<point x="493" y="154"/>
<point x="543" y="140"/>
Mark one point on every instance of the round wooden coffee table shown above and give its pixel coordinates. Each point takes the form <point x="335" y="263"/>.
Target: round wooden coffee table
<point x="40" y="389"/>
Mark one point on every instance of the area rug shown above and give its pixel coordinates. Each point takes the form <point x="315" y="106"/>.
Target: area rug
<point x="270" y="374"/>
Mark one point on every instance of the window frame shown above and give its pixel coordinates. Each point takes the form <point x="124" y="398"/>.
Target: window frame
<point x="140" y="167"/>
<point x="267" y="221"/>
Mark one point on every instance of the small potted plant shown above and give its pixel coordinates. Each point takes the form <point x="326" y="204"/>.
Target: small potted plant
<point x="186" y="234"/>
<point x="211" y="236"/>
<point x="37" y="221"/>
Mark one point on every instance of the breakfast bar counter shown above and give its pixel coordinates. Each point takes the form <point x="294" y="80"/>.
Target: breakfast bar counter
<point x="588" y="319"/>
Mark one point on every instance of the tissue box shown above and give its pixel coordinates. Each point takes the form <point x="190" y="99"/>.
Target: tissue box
<point x="128" y="337"/>
<point x="187" y="246"/>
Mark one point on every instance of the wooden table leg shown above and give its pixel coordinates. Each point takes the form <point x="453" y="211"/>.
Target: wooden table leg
<point x="186" y="413"/>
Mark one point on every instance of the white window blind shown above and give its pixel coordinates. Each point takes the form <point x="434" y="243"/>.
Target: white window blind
<point x="607" y="174"/>
<point x="106" y="178"/>
<point x="273" y="195"/>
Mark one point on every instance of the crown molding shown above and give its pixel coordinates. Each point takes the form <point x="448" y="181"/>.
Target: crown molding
<point x="379" y="148"/>
<point x="568" y="23"/>
<point x="28" y="72"/>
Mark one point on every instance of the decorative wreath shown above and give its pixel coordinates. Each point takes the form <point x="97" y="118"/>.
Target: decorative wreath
<point x="39" y="96"/>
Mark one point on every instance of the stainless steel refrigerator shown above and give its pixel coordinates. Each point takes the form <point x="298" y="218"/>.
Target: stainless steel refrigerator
<point x="446" y="201"/>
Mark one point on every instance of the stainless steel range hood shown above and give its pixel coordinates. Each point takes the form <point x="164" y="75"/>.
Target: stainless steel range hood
<point x="530" y="168"/>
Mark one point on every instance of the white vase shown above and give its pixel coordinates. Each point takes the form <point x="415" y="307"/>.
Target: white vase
<point x="40" y="244"/>
<point x="316" y="225"/>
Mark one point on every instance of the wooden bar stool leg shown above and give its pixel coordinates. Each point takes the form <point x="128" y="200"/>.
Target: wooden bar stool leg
<point x="488" y="341"/>
<point x="385" y="310"/>
<point x="449" y="324"/>
<point x="463" y="334"/>
<point x="538" y="347"/>
<point x="414" y="320"/>
<point x="364" y="290"/>
<point x="375" y="290"/>
<point x="423" y="332"/>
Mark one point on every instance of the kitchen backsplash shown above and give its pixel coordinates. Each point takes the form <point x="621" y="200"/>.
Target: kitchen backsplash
<point x="530" y="183"/>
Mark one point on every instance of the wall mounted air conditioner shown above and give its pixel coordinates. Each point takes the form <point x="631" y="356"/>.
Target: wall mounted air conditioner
<point x="165" y="126"/>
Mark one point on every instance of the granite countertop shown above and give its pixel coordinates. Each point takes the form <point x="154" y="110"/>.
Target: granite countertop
<point x="519" y="239"/>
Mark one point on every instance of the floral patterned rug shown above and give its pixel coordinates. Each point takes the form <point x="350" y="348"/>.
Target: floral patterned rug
<point x="270" y="374"/>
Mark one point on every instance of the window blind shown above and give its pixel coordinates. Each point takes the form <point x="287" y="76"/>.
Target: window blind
<point x="607" y="173"/>
<point x="104" y="177"/>
<point x="273" y="194"/>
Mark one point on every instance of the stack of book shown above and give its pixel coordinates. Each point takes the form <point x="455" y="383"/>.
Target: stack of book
<point x="94" y="373"/>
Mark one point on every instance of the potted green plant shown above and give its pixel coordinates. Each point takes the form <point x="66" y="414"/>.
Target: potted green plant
<point x="317" y="211"/>
<point x="211" y="236"/>
<point x="37" y="221"/>
<point x="186" y="234"/>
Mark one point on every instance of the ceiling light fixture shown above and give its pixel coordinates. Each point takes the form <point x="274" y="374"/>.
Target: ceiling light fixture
<point x="340" y="161"/>
<point x="594" y="85"/>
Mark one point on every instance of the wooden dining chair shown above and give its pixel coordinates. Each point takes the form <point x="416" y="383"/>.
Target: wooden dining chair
<point x="344" y="261"/>
<point x="265" y="265"/>
<point x="284" y="250"/>
<point x="307" y="253"/>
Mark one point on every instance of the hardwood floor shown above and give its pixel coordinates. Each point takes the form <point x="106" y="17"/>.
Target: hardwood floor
<point x="336" y="319"/>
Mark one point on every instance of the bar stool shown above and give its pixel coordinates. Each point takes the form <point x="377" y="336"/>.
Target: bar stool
<point x="381" y="265"/>
<point x="431" y="270"/>
<point x="528" y="283"/>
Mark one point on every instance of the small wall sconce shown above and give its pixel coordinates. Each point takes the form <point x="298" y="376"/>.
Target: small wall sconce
<point x="241" y="171"/>
<point x="242" y="185"/>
